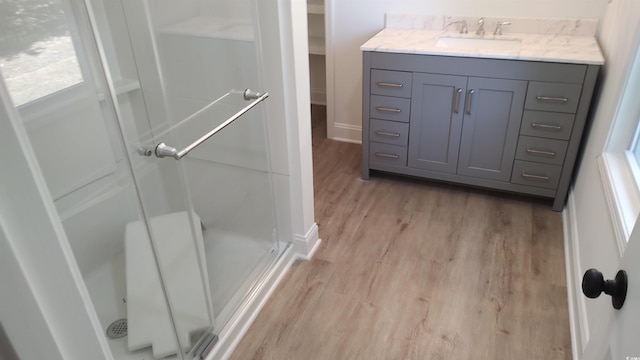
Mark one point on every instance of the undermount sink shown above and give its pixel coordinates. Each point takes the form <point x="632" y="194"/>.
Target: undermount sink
<point x="477" y="43"/>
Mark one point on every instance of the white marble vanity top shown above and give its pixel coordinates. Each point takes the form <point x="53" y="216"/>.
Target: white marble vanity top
<point x="564" y="48"/>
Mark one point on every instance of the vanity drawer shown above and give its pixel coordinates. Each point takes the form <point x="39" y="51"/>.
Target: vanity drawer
<point x="547" y="96"/>
<point x="535" y="174"/>
<point x="548" y="151"/>
<point x="391" y="83"/>
<point x="547" y="124"/>
<point x="387" y="154"/>
<point x="388" y="132"/>
<point x="390" y="108"/>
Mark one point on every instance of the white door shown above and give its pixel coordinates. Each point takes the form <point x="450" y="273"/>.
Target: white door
<point x="617" y="338"/>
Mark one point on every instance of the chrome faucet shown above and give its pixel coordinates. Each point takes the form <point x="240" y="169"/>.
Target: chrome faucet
<point x="480" y="30"/>
<point x="499" y="27"/>
<point x="464" y="29"/>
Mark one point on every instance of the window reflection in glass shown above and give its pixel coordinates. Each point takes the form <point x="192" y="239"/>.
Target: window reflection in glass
<point x="37" y="55"/>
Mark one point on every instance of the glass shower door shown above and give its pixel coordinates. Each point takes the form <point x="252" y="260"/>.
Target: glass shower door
<point x="77" y="127"/>
<point x="168" y="246"/>
<point x="199" y="65"/>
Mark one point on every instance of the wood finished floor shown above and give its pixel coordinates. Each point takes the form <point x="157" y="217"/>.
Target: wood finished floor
<point x="412" y="269"/>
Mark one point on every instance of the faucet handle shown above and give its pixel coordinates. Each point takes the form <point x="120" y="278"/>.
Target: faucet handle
<point x="480" y="30"/>
<point x="464" y="29"/>
<point x="499" y="27"/>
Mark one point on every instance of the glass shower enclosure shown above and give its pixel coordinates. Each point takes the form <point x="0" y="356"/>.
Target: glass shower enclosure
<point x="150" y="123"/>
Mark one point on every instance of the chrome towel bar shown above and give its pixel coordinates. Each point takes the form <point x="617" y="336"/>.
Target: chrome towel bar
<point x="163" y="150"/>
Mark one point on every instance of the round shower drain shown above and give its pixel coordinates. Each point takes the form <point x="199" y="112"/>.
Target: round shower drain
<point x="117" y="329"/>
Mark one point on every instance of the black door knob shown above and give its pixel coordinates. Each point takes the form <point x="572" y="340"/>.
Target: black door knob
<point x="593" y="284"/>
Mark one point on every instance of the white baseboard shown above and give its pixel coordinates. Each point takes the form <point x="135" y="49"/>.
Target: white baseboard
<point x="305" y="246"/>
<point x="302" y="248"/>
<point x="347" y="133"/>
<point x="319" y="96"/>
<point x="577" y="309"/>
<point x="241" y="322"/>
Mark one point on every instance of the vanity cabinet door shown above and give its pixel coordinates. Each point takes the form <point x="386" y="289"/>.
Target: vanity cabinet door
<point x="493" y="111"/>
<point x="436" y="121"/>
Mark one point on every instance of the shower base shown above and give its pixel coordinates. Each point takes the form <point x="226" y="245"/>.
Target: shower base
<point x="226" y="253"/>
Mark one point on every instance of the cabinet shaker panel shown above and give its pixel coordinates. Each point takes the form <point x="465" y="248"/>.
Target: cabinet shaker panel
<point x="536" y="174"/>
<point x="390" y="108"/>
<point x="548" y="151"/>
<point x="391" y="83"/>
<point x="386" y="154"/>
<point x="548" y="96"/>
<point x="493" y="111"/>
<point x="436" y="121"/>
<point x="388" y="132"/>
<point x="547" y="124"/>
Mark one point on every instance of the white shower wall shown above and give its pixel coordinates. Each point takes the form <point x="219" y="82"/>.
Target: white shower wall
<point x="169" y="12"/>
<point x="204" y="58"/>
<point x="94" y="203"/>
<point x="236" y="9"/>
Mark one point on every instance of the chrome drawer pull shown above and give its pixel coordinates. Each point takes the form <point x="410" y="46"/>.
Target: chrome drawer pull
<point x="386" y="109"/>
<point x="540" y="152"/>
<point x="384" y="133"/>
<point x="393" y="85"/>
<point x="467" y="105"/>
<point x="388" y="156"/>
<point x="545" y="126"/>
<point x="552" y="99"/>
<point x="536" y="177"/>
<point x="456" y="101"/>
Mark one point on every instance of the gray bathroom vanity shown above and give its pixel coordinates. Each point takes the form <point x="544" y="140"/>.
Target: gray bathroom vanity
<point x="470" y="112"/>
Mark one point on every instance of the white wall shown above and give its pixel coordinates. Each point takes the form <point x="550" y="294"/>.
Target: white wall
<point x="297" y="97"/>
<point x="594" y="243"/>
<point x="351" y="23"/>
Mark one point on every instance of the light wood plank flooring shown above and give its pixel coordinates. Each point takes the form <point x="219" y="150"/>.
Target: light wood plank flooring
<point x="413" y="269"/>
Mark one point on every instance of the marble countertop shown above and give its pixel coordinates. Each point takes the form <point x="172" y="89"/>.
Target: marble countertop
<point x="534" y="47"/>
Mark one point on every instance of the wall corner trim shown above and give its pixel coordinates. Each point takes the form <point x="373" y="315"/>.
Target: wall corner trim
<point x="578" y="321"/>
<point x="306" y="245"/>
